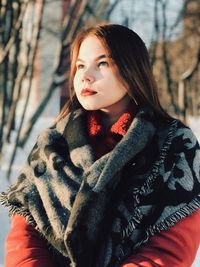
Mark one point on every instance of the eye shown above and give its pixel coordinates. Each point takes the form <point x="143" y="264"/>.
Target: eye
<point x="79" y="66"/>
<point x="103" y="64"/>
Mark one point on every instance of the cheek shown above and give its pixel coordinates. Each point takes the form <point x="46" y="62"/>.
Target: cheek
<point x="115" y="81"/>
<point x="76" y="82"/>
<point x="118" y="87"/>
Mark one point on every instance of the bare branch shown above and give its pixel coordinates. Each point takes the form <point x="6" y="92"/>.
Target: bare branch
<point x="4" y="51"/>
<point x="78" y="14"/>
<point x="32" y="48"/>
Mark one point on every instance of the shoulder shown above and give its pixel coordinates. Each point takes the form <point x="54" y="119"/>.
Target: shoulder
<point x="71" y="117"/>
<point x="57" y="131"/>
<point x="180" y="135"/>
<point x="179" y="141"/>
<point x="184" y="153"/>
<point x="184" y="138"/>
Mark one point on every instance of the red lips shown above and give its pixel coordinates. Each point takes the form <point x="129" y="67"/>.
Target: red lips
<point x="87" y="92"/>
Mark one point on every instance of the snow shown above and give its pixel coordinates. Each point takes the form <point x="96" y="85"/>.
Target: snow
<point x="43" y="123"/>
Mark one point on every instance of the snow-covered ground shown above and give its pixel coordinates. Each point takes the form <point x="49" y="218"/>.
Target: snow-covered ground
<point x="20" y="159"/>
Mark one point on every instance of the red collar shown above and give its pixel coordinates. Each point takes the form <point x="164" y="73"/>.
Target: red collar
<point x="120" y="127"/>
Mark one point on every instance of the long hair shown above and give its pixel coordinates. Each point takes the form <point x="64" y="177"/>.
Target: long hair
<point x="132" y="64"/>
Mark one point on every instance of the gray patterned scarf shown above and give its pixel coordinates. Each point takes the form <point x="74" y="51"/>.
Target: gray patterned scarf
<point x="97" y="213"/>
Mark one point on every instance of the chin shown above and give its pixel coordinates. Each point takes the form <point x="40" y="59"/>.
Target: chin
<point x="90" y="108"/>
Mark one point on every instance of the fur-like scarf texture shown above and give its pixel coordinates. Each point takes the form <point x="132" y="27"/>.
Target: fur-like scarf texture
<point x="97" y="213"/>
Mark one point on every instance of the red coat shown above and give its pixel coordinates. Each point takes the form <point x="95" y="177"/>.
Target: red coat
<point x="175" y="247"/>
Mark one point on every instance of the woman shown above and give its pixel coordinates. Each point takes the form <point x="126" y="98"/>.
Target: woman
<point x="115" y="182"/>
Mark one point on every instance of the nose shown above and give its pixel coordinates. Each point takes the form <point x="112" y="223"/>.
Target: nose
<point x="88" y="76"/>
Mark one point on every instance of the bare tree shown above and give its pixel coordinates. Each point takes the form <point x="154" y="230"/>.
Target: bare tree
<point x="18" y="47"/>
<point x="12" y="15"/>
<point x="174" y="57"/>
<point x="31" y="44"/>
<point x="175" y="60"/>
<point x="80" y="13"/>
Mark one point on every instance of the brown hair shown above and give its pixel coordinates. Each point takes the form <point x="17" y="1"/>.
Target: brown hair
<point x="131" y="58"/>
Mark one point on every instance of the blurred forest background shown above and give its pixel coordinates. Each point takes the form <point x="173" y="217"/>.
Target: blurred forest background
<point x="35" y="37"/>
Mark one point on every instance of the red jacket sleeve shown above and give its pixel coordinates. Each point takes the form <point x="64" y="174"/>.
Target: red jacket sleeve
<point x="25" y="247"/>
<point x="175" y="247"/>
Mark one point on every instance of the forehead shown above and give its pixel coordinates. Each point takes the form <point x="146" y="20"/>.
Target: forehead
<point x="90" y="48"/>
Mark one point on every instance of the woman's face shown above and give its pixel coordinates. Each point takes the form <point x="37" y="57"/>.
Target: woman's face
<point x="95" y="83"/>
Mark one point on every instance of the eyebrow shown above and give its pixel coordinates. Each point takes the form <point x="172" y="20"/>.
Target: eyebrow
<point x="96" y="59"/>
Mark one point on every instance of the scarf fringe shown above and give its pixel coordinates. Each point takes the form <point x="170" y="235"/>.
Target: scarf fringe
<point x="155" y="168"/>
<point x="170" y="221"/>
<point x="185" y="211"/>
<point x="15" y="209"/>
<point x="134" y="221"/>
<point x="136" y="217"/>
<point x="174" y="218"/>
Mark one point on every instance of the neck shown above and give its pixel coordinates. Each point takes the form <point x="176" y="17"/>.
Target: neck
<point x="112" y="114"/>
